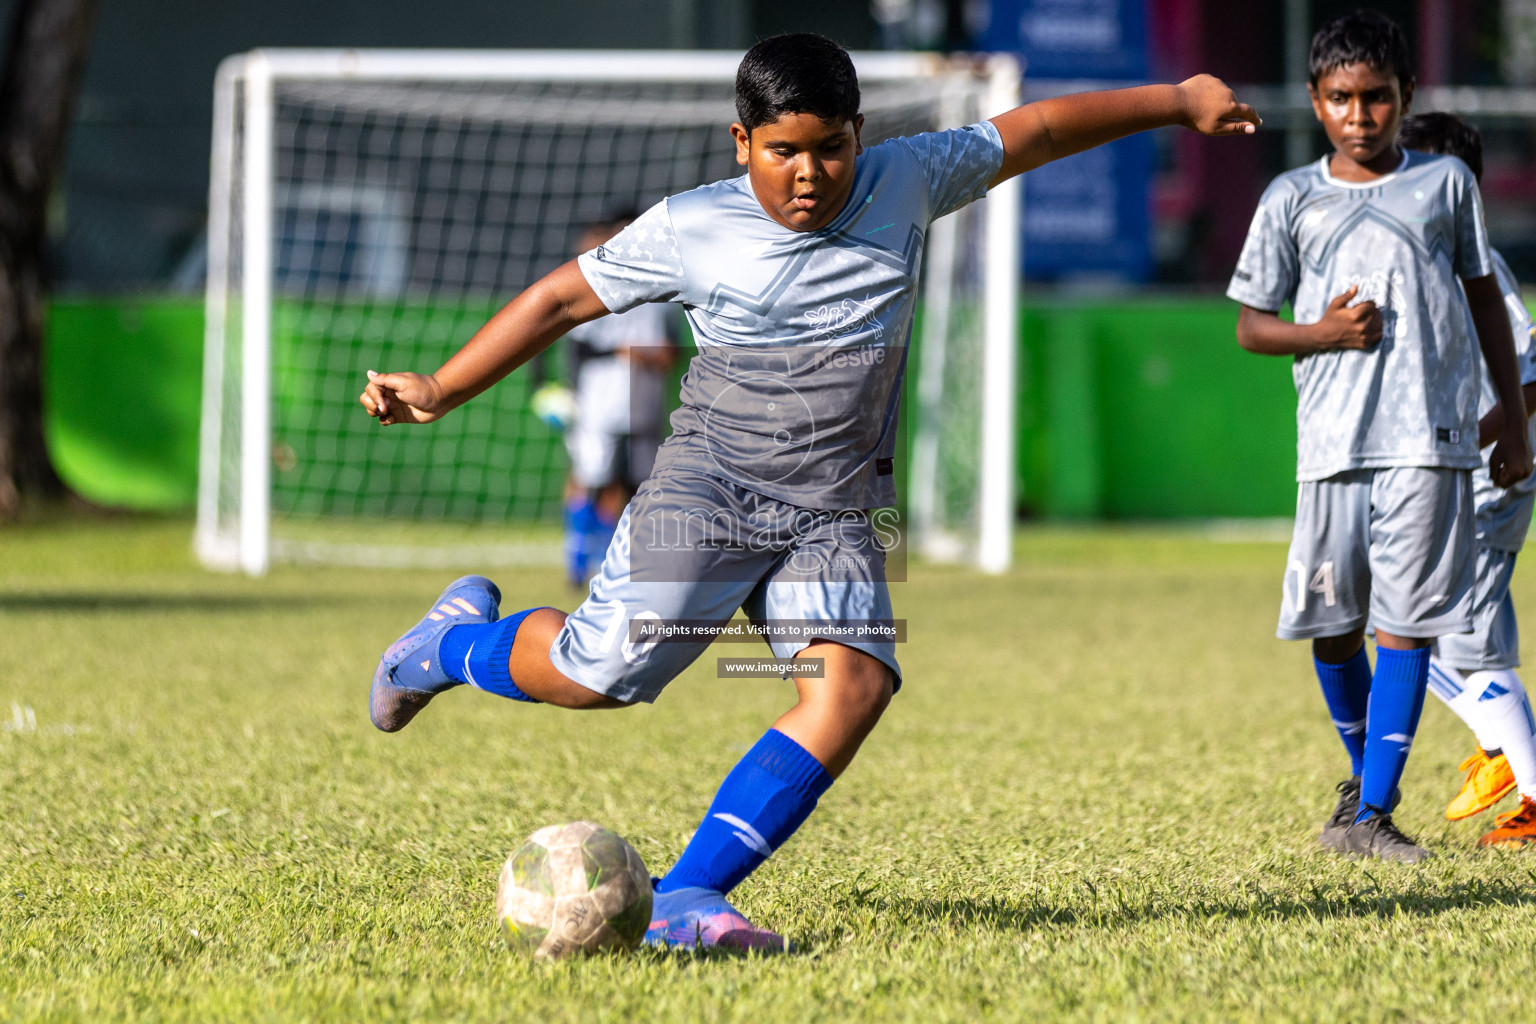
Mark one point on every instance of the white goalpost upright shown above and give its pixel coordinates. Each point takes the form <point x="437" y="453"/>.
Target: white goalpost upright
<point x="369" y="208"/>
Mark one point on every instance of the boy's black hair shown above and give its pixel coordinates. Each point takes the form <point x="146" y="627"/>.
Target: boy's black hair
<point x="796" y="73"/>
<point x="1361" y="37"/>
<point x="1443" y="133"/>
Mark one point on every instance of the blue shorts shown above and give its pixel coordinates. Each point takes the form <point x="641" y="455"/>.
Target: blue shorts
<point x="692" y="549"/>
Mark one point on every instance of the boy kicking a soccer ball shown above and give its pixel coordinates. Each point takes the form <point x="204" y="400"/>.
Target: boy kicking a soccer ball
<point x="1474" y="673"/>
<point x="1367" y="245"/>
<point x="799" y="283"/>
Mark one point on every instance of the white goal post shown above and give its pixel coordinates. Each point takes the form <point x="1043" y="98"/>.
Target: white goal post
<point x="368" y="208"/>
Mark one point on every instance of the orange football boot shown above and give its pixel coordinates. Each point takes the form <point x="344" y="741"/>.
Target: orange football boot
<point x="1488" y="781"/>
<point x="1514" y="829"/>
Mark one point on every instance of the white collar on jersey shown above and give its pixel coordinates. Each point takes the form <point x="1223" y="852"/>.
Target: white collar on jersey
<point x="1330" y="179"/>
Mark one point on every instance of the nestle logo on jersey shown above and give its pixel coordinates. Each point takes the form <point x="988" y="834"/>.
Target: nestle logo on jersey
<point x="841" y="319"/>
<point x="864" y="355"/>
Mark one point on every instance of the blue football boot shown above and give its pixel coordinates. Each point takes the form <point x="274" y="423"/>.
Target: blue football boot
<point x="696" y="918"/>
<point x="410" y="674"/>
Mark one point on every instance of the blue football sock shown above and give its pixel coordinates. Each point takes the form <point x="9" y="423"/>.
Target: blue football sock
<point x="599" y="536"/>
<point x="762" y="801"/>
<point x="477" y="654"/>
<point x="1347" y="689"/>
<point x="1397" y="697"/>
<point x="580" y="523"/>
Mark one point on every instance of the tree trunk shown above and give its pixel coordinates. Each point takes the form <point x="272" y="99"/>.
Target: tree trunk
<point x="44" y="60"/>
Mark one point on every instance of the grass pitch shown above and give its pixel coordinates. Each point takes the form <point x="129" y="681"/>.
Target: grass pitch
<point x="1096" y="797"/>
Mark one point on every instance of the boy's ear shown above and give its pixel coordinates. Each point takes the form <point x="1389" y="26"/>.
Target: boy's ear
<point x="858" y="127"/>
<point x="743" y="142"/>
<point x="1317" y="104"/>
<point x="1408" y="95"/>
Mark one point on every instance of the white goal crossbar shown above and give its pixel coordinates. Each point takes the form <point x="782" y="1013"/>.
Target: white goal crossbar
<point x="240" y="271"/>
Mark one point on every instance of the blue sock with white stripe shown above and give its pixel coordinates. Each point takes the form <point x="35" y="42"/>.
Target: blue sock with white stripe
<point x="761" y="803"/>
<point x="1397" y="698"/>
<point x="477" y="654"/>
<point x="1347" y="690"/>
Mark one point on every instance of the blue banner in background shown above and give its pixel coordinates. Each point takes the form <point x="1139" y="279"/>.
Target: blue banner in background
<point x="1072" y="38"/>
<point x="1088" y="215"/>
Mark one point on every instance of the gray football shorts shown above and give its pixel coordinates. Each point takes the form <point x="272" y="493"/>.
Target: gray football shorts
<point x="693" y="549"/>
<point x="1393" y="547"/>
<point x="1494" y="642"/>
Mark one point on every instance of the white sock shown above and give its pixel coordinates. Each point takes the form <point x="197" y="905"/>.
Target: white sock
<point x="1503" y="705"/>
<point x="1461" y="697"/>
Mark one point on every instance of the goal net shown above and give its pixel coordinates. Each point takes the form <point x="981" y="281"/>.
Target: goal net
<point x="371" y="209"/>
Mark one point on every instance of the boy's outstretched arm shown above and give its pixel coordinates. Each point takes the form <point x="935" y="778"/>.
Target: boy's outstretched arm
<point x="1342" y="326"/>
<point x="1511" y="459"/>
<point x="1038" y="133"/>
<point x="528" y="324"/>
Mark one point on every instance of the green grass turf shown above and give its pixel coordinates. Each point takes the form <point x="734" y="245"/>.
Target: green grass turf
<point x="1096" y="798"/>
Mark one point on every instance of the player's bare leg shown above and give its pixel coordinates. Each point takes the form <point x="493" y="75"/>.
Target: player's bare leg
<point x="836" y="712"/>
<point x="537" y="676"/>
<point x="1338" y="649"/>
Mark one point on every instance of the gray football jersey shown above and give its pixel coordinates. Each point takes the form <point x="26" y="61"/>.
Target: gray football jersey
<point x="1404" y="239"/>
<point x="802" y="336"/>
<point x="1504" y="515"/>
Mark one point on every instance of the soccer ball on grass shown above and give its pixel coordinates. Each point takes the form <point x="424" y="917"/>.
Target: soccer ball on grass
<point x="571" y="889"/>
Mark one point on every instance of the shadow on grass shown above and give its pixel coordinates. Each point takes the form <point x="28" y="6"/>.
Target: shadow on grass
<point x="85" y="602"/>
<point x="1110" y="909"/>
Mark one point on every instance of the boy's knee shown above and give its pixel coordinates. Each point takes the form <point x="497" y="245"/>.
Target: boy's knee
<point x="863" y="687"/>
<point x="1336" y="650"/>
<point x="867" y="699"/>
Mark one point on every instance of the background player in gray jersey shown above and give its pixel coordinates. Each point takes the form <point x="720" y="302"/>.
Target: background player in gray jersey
<point x="1474" y="673"/>
<point x="619" y="367"/>
<point x="1367" y="246"/>
<point x="799" y="280"/>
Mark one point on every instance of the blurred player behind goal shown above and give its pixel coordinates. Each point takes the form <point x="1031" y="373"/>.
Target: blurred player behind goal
<point x="619" y="366"/>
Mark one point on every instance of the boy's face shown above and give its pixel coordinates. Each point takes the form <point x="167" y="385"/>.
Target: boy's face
<point x="1360" y="107"/>
<point x="800" y="167"/>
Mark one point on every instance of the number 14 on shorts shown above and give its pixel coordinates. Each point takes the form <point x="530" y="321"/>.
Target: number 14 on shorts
<point x="1319" y="582"/>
